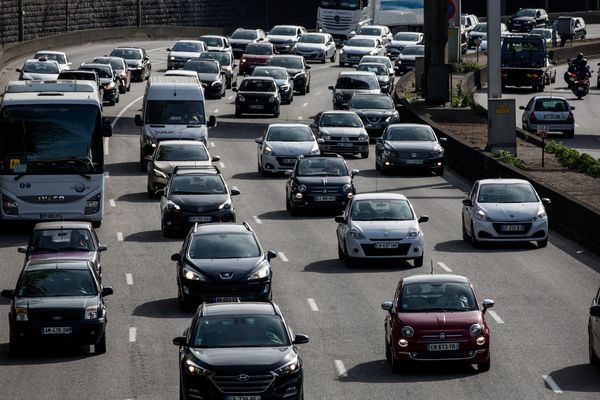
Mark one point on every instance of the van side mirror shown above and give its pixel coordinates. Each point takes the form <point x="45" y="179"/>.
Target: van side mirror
<point x="215" y="158"/>
<point x="340" y="219"/>
<point x="107" y="291"/>
<point x="180" y="341"/>
<point x="106" y="127"/>
<point x="259" y="140"/>
<point x="387" y="306"/>
<point x="467" y="202"/>
<point x="423" y="218"/>
<point x="212" y="121"/>
<point x="138" y="120"/>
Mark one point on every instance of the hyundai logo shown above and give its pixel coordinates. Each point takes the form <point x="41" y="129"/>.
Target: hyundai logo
<point x="243" y="378"/>
<point x="414" y="155"/>
<point x="226" y="275"/>
<point x="51" y="198"/>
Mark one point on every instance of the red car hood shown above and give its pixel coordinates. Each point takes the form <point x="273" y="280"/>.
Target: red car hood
<point x="62" y="255"/>
<point x="441" y="320"/>
<point x="257" y="57"/>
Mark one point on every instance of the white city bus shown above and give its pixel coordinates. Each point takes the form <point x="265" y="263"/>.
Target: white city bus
<point x="51" y="149"/>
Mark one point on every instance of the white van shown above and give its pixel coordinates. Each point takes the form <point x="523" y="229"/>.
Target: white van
<point x="173" y="108"/>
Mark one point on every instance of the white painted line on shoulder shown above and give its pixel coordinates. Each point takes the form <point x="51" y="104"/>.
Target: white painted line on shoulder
<point x="221" y="165"/>
<point x="312" y="304"/>
<point x="230" y="98"/>
<point x="552" y="384"/>
<point x="281" y="255"/>
<point x="257" y="220"/>
<point x="120" y="236"/>
<point x="132" y="334"/>
<point x="212" y="144"/>
<point x="318" y="93"/>
<point x="444" y="266"/>
<point x="112" y="203"/>
<point x="156" y="49"/>
<point x="495" y="316"/>
<point x="129" y="279"/>
<point x="305" y="105"/>
<point x="300" y="118"/>
<point x="341" y="369"/>
<point x="105" y="144"/>
<point x="216" y="111"/>
<point x="106" y="174"/>
<point x="576" y="125"/>
<point x="124" y="110"/>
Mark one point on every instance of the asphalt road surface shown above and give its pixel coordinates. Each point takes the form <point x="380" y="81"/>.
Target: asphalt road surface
<point x="539" y="324"/>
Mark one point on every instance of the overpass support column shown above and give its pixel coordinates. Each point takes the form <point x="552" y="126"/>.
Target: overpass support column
<point x="437" y="86"/>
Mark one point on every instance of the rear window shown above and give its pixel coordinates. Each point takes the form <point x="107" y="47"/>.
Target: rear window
<point x="372" y="102"/>
<point x="551" y="105"/>
<point x="259" y="48"/>
<point x="358" y="82"/>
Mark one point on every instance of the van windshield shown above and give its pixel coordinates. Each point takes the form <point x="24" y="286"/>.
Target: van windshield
<point x="183" y="112"/>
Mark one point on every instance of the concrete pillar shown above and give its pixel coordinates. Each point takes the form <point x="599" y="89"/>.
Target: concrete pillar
<point x="547" y="5"/>
<point x="503" y="7"/>
<point x="436" y="31"/>
<point x="139" y="12"/>
<point x="493" y="58"/>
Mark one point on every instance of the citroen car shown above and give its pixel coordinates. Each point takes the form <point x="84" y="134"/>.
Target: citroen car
<point x="241" y="37"/>
<point x="225" y="59"/>
<point x="316" y="46"/>
<point x="240" y="351"/>
<point x="137" y="60"/>
<point x="108" y="80"/>
<point x="380" y="226"/>
<point x="401" y="40"/>
<point x="504" y="210"/>
<point x="406" y="59"/>
<point x="255" y="54"/>
<point x="223" y="263"/>
<point x="386" y="80"/>
<point x="319" y="181"/>
<point x="341" y="132"/>
<point x="284" y="37"/>
<point x="39" y="69"/>
<point x="217" y="43"/>
<point x="359" y="46"/>
<point x="284" y="81"/>
<point x="211" y="76"/>
<point x="414" y="331"/>
<point x="257" y="95"/>
<point x="60" y="57"/>
<point x="195" y="195"/>
<point x="184" y="51"/>
<point x="281" y="145"/>
<point x="57" y="301"/>
<point x="409" y="146"/>
<point x="297" y="68"/>
<point x="377" y="112"/>
<point x="350" y="82"/>
<point x="120" y="69"/>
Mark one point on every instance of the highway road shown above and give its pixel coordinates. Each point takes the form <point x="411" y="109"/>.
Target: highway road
<point x="539" y="324"/>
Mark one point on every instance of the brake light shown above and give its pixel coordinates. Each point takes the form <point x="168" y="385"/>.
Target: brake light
<point x="570" y="118"/>
<point x="532" y="117"/>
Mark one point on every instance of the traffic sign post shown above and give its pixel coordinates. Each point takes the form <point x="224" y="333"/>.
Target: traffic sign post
<point x="542" y="131"/>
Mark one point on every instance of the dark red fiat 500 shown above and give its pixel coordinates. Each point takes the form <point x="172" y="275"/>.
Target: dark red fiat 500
<point x="436" y="318"/>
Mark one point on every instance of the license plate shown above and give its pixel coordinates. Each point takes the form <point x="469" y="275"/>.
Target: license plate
<point x="414" y="162"/>
<point x="552" y="116"/>
<point x="324" y="198"/>
<point x="243" y="398"/>
<point x="373" y="126"/>
<point x="63" y="330"/>
<point x="580" y="89"/>
<point x="50" y="216"/>
<point x="289" y="160"/>
<point x="386" y="245"/>
<point x="227" y="299"/>
<point x="257" y="106"/>
<point x="442" y="346"/>
<point x="512" y="228"/>
<point x="200" y="219"/>
<point x="344" y="144"/>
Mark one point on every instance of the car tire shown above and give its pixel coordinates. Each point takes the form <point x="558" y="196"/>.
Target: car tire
<point x="293" y="209"/>
<point x="238" y="113"/>
<point x="166" y="232"/>
<point x="333" y="57"/>
<point x="276" y="114"/>
<point x="143" y="163"/>
<point x="122" y="89"/>
<point x="112" y="102"/>
<point x="341" y="64"/>
<point x="364" y="155"/>
<point x="129" y="87"/>
<point x="396" y="366"/>
<point x="388" y="352"/>
<point x="484" y="366"/>
<point x="377" y="165"/>
<point x="324" y="60"/>
<point x="553" y="79"/>
<point x="14" y="348"/>
<point x="308" y="88"/>
<point x="474" y="241"/>
<point x="349" y="262"/>
<point x="288" y="203"/>
<point x="340" y="253"/>
<point x="465" y="235"/>
<point x="418" y="262"/>
<point x="100" y="347"/>
<point x="542" y="243"/>
<point x="570" y="134"/>
<point x="302" y="91"/>
<point x="96" y="224"/>
<point x="594" y="359"/>
<point x="151" y="194"/>
<point x="439" y="171"/>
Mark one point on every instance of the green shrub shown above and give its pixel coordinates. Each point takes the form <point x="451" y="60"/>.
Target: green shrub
<point x="508" y="158"/>
<point x="462" y="98"/>
<point x="552" y="146"/>
<point x="585" y="162"/>
<point x="465" y="66"/>
<point x="574" y="160"/>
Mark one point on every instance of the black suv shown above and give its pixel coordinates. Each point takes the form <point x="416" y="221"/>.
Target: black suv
<point x="320" y="181"/>
<point x="376" y="111"/>
<point x="223" y="262"/>
<point x="240" y="351"/>
<point x="526" y="19"/>
<point x="297" y="68"/>
<point x="195" y="195"/>
<point x="57" y="301"/>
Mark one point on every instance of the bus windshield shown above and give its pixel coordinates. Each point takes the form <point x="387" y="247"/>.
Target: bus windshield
<point x="343" y="4"/>
<point x="47" y="139"/>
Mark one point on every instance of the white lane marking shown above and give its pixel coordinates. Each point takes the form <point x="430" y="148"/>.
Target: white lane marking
<point x="281" y="255"/>
<point x="105" y="143"/>
<point x="216" y="111"/>
<point x="120" y="236"/>
<point x="112" y="203"/>
<point x="579" y="251"/>
<point x="106" y="174"/>
<point x="129" y="279"/>
<point x="230" y="98"/>
<point x="257" y="220"/>
<point x="444" y="267"/>
<point x="341" y="369"/>
<point x="221" y="165"/>
<point x="132" y="334"/>
<point x="124" y="110"/>
<point x="299" y="117"/>
<point x="496" y="317"/>
<point x="212" y="144"/>
<point x="555" y="388"/>
<point x="317" y="94"/>
<point x="312" y="304"/>
<point x="305" y="105"/>
<point x="156" y="49"/>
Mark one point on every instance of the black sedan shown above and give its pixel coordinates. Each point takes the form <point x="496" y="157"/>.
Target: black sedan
<point x="222" y="263"/>
<point x="210" y="74"/>
<point x="321" y="181"/>
<point x="257" y="95"/>
<point x="240" y="351"/>
<point x="297" y="68"/>
<point x="376" y="111"/>
<point x="57" y="301"/>
<point x="137" y="61"/>
<point x="195" y="195"/>
<point x="411" y="146"/>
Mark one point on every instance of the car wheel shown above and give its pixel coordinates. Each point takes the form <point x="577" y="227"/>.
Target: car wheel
<point x="276" y="114"/>
<point x="112" y="101"/>
<point x="474" y="241"/>
<point x="439" y="171"/>
<point x="288" y="206"/>
<point x="293" y="209"/>
<point x="396" y="366"/>
<point x="122" y="89"/>
<point x="324" y="60"/>
<point x="238" y="113"/>
<point x="542" y="243"/>
<point x="364" y="155"/>
<point x="341" y="64"/>
<point x="308" y="88"/>
<point x="484" y="367"/>
<point x="100" y="347"/>
<point x="377" y="165"/>
<point x="418" y="262"/>
<point x="14" y="348"/>
<point x="333" y="57"/>
<point x="302" y="91"/>
<point x="594" y="359"/>
<point x="96" y="224"/>
<point x="553" y="80"/>
<point x="151" y="193"/>
<point x="166" y="232"/>
<point x="465" y="235"/>
<point x="143" y="163"/>
<point x="349" y="261"/>
<point x="340" y="252"/>
<point x="570" y="134"/>
<point x="129" y="87"/>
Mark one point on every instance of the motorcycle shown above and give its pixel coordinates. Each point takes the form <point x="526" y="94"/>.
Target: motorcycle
<point x="581" y="87"/>
<point x="570" y="75"/>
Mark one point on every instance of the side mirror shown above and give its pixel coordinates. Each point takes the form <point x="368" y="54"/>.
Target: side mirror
<point x="233" y="66"/>
<point x="330" y="88"/>
<point x="169" y="49"/>
<point x="572" y="108"/>
<point x="101" y="248"/>
<point x="423" y="218"/>
<point x="106" y="127"/>
<point x="19" y="70"/>
<point x="300" y="339"/>
<point x="313" y="126"/>
<point x="308" y="67"/>
<point x="233" y="88"/>
<point x="271" y="255"/>
<point x="215" y="158"/>
<point x="594" y="310"/>
<point x="521" y="107"/>
<point x="107" y="291"/>
<point x="320" y="140"/>
<point x="138" y="120"/>
<point x="340" y="219"/>
<point x="442" y="139"/>
<point x="176" y="257"/>
<point x="160" y="192"/>
<point x="180" y="341"/>
<point x="234" y="191"/>
<point x="287" y="172"/>
<point x="487" y="303"/>
<point x="354" y="172"/>
<point x="22" y="249"/>
<point x="259" y="140"/>
<point x="8" y="294"/>
<point x="212" y="121"/>
<point x="467" y="202"/>
<point x="387" y="306"/>
<point x="546" y="200"/>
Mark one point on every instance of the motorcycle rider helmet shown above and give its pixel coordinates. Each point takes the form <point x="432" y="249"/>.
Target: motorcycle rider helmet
<point x="584" y="62"/>
<point x="579" y="56"/>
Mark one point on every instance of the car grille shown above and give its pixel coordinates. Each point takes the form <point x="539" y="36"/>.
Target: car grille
<point x="344" y="139"/>
<point x="443" y="355"/>
<point x="324" y="190"/>
<point x="331" y="23"/>
<point x="375" y="120"/>
<point x="51" y="315"/>
<point x="417" y="154"/>
<point x="370" y="250"/>
<point x="436" y="337"/>
<point x="239" y="383"/>
<point x="498" y="228"/>
<point x="236" y="288"/>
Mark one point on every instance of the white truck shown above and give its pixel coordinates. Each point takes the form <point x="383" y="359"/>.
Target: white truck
<point x="341" y="17"/>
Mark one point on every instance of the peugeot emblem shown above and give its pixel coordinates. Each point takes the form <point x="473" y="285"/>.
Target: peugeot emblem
<point x="226" y="275"/>
<point x="442" y="336"/>
<point x="414" y="155"/>
<point x="386" y="234"/>
<point x="57" y="318"/>
<point x="243" y="378"/>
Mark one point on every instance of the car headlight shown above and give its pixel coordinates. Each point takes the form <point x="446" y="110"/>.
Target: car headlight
<point x="391" y="118"/>
<point x="92" y="205"/>
<point x="475" y="329"/>
<point x="388" y="153"/>
<point x="267" y="150"/>
<point x="347" y="188"/>
<point x="289" y="368"/>
<point x="149" y="141"/>
<point x="315" y="150"/>
<point x="284" y="88"/>
<point x="91" y="312"/>
<point x="172" y="58"/>
<point x="262" y="272"/>
<point x="481" y="215"/>
<point x="172" y="206"/>
<point x="356" y="234"/>
<point x="159" y="173"/>
<point x="408" y="331"/>
<point x="301" y="188"/>
<point x="363" y="137"/>
<point x="541" y="213"/>
<point x="192" y="275"/>
<point x="437" y="153"/>
<point x="225" y="206"/>
<point x="21" y="314"/>
<point x="413" y="232"/>
<point x="241" y="98"/>
<point x="10" y="206"/>
<point x="194" y="369"/>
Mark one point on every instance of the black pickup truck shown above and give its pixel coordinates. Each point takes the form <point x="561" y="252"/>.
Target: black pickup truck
<point x="525" y="62"/>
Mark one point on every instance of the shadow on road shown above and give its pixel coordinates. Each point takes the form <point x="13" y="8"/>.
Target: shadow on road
<point x="577" y="378"/>
<point x="151" y="237"/>
<point x="131" y="168"/>
<point x="334" y="266"/>
<point x="141" y="197"/>
<point x="163" y="308"/>
<point x="380" y="371"/>
<point x="460" y="246"/>
<point x="39" y="355"/>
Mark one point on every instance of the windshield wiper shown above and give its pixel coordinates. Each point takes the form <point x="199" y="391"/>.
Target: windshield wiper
<point x="66" y="161"/>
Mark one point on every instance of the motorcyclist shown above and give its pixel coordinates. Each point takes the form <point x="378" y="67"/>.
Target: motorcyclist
<point x="576" y="62"/>
<point x="583" y="71"/>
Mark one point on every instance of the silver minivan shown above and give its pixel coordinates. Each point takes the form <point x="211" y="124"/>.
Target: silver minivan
<point x="351" y="82"/>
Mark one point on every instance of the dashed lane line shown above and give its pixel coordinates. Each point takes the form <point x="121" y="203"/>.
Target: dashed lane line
<point x="212" y="144"/>
<point x="106" y="174"/>
<point x="444" y="266"/>
<point x="112" y="203"/>
<point x="305" y="105"/>
<point x="495" y="316"/>
<point x="129" y="279"/>
<point x="132" y="334"/>
<point x="257" y="220"/>
<point x="341" y="369"/>
<point x="282" y="256"/>
<point x="216" y="111"/>
<point x="552" y="384"/>
<point x="312" y="304"/>
<point x="120" y="236"/>
<point x="221" y="164"/>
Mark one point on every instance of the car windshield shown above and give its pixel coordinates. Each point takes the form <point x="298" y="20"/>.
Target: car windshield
<point x="197" y="184"/>
<point x="283" y="31"/>
<point x="340" y="119"/>
<point x="212" y="41"/>
<point x="128" y="54"/>
<point x="115" y="63"/>
<point x="59" y="58"/>
<point x="222" y="57"/>
<point x="410" y="134"/>
<point x="525" y="13"/>
<point x="414" y="51"/>
<point x="102" y="72"/>
<point x="57" y="283"/>
<point x="547" y="34"/>
<point x="366" y="31"/>
<point x="259" y="49"/>
<point x="438" y="297"/>
<point x="290" y="134"/>
<point x="244" y="35"/>
<point x="224" y="245"/>
<point x="191" y="47"/>
<point x="379" y="69"/>
<point x="507" y="193"/>
<point x="381" y="210"/>
<point x="360" y="43"/>
<point x="181" y="152"/>
<point x="77" y="75"/>
<point x="41" y="67"/>
<point x="184" y="112"/>
<point x="257" y="85"/>
<point x="556" y="105"/>
<point x="202" y="67"/>
<point x="376" y="60"/>
<point x="275" y="73"/>
<point x="407" y="37"/>
<point x="55" y="240"/>
<point x="287" y="62"/>
<point x="364" y="82"/>
<point x="321" y="166"/>
<point x="481" y="27"/>
<point x="374" y="102"/>
<point x="312" y="38"/>
<point x="240" y="331"/>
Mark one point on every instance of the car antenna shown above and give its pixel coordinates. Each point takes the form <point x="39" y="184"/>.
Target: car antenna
<point x="431" y="266"/>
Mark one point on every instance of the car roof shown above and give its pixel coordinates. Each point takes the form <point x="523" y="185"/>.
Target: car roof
<point x="63" y="225"/>
<point x="287" y="56"/>
<point x="442" y="278"/>
<point x="37" y="60"/>
<point x="265" y="78"/>
<point x="286" y="125"/>
<point x="189" y="41"/>
<point x="222" y="227"/>
<point x="185" y="142"/>
<point x="62" y="53"/>
<point x="549" y="97"/>
<point x="41" y="265"/>
<point x="339" y="112"/>
<point x="213" y="36"/>
<point x="373" y="38"/>
<point x="501" y="180"/>
<point x="128" y="48"/>
<point x="355" y="73"/>
<point x="287" y="26"/>
<point x="245" y="308"/>
<point x="379" y="196"/>
<point x="196" y="170"/>
<point x="372" y="26"/>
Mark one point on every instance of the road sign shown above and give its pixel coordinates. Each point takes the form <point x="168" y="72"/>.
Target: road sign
<point x="542" y="130"/>
<point x="451" y="8"/>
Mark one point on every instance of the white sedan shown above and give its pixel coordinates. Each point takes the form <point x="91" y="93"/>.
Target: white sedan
<point x="380" y="226"/>
<point x="507" y="210"/>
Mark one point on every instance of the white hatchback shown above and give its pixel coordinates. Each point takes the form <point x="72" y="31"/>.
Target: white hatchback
<point x="550" y="113"/>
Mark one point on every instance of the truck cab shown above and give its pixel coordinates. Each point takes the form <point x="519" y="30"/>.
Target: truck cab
<point x="524" y="62"/>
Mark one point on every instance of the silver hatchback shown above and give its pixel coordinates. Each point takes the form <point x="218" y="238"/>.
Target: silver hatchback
<point x="549" y="113"/>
